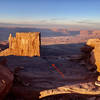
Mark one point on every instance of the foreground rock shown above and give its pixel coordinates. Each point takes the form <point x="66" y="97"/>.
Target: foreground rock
<point x="6" y="80"/>
<point x="94" y="57"/>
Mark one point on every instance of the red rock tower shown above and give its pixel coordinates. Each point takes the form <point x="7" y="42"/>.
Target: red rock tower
<point x="23" y="44"/>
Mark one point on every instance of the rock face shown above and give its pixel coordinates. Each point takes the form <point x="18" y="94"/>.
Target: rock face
<point x="24" y="44"/>
<point x="93" y="42"/>
<point x="94" y="53"/>
<point x="6" y="80"/>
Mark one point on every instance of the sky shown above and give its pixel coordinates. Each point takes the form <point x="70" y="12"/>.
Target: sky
<point x="51" y="13"/>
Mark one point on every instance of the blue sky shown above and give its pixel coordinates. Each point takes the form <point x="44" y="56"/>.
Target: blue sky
<point x="67" y="13"/>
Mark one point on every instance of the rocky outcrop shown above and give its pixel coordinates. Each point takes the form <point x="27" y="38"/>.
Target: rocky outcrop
<point x="93" y="42"/>
<point x="93" y="54"/>
<point x="6" y="80"/>
<point x="24" y="44"/>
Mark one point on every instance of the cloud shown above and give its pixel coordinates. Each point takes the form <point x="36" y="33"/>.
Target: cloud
<point x="54" y="22"/>
<point x="88" y="22"/>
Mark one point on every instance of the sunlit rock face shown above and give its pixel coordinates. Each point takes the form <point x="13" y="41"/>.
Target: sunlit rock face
<point x="93" y="42"/>
<point x="23" y="44"/>
<point x="95" y="54"/>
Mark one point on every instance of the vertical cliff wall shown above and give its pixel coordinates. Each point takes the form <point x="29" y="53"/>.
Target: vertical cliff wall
<point x="23" y="44"/>
<point x="92" y="53"/>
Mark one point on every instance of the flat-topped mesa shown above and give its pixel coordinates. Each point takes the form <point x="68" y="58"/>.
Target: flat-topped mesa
<point x="23" y="44"/>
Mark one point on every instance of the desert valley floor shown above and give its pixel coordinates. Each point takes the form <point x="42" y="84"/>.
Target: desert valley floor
<point x="36" y="77"/>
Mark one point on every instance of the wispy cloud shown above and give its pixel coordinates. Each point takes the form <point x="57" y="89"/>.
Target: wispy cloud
<point x="84" y="23"/>
<point x="89" y="22"/>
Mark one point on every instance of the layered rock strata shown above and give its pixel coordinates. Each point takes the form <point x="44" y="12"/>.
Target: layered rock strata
<point x="23" y="44"/>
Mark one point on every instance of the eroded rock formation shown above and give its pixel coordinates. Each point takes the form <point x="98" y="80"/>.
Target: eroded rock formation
<point x="93" y="52"/>
<point x="24" y="44"/>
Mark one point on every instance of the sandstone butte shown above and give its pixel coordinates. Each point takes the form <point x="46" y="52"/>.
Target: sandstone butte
<point x="95" y="53"/>
<point x="23" y="44"/>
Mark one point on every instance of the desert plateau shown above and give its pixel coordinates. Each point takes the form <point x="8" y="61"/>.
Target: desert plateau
<point x="49" y="50"/>
<point x="61" y="71"/>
